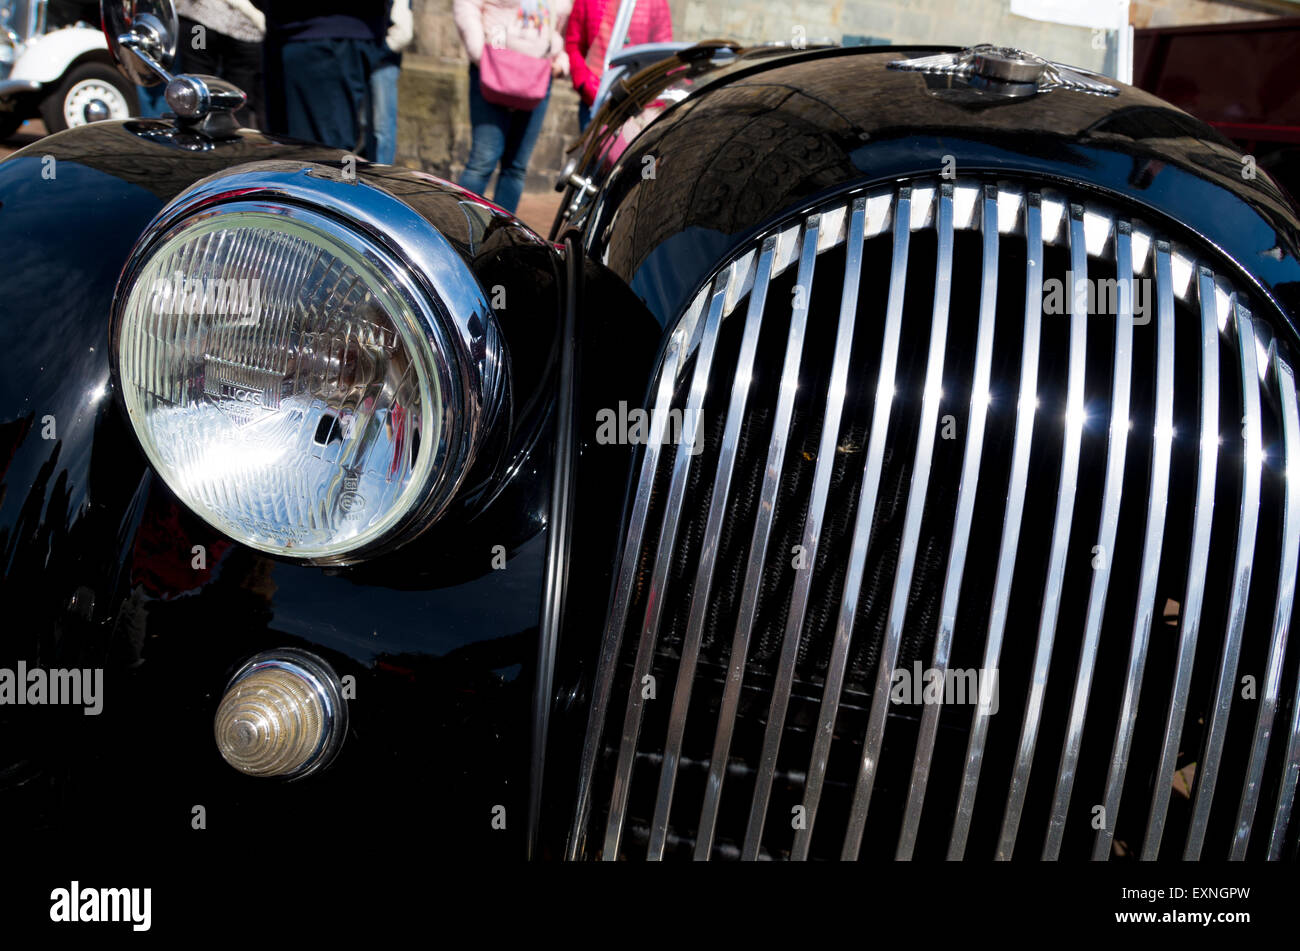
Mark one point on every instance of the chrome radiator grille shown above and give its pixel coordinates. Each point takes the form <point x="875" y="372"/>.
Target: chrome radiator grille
<point x="888" y="450"/>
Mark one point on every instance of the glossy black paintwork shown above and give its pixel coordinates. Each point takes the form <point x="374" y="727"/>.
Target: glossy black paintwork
<point x="767" y="136"/>
<point x="98" y="553"/>
<point x="99" y="556"/>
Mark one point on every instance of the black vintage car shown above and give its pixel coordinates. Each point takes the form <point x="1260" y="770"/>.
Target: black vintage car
<point x="885" y="455"/>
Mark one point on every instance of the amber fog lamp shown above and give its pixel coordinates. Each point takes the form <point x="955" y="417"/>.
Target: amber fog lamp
<point x="283" y="715"/>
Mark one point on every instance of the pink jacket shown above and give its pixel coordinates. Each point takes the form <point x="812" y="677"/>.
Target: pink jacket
<point x="533" y="27"/>
<point x="586" y="41"/>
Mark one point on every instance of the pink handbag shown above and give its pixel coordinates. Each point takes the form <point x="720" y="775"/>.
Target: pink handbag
<point x="513" y="79"/>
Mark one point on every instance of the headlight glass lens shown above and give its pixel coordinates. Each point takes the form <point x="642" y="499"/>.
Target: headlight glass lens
<point x="282" y="380"/>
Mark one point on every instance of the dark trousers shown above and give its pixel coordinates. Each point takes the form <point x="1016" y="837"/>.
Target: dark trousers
<point x="231" y="59"/>
<point x="319" y="90"/>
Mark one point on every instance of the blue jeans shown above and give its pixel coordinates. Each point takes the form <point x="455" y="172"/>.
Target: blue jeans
<point x="501" y="135"/>
<point x="383" y="103"/>
<point x="584" y="116"/>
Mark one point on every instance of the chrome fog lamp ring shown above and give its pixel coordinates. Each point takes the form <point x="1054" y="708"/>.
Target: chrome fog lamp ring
<point x="283" y="714"/>
<point x="417" y="281"/>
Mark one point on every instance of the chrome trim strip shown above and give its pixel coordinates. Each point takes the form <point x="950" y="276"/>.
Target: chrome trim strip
<point x="557" y="546"/>
<point x="622" y="595"/>
<point x="1074" y="415"/>
<point x="1152" y="549"/>
<point x="753" y="579"/>
<point x="966" y="491"/>
<point x="812" y="531"/>
<point x="1207" y="771"/>
<point x="835" y="397"/>
<point x="916" y="498"/>
<point x="1112" y="493"/>
<point x="1017" y="484"/>
<point x="1281" y="611"/>
<point x="666" y="545"/>
<point x="1199" y="557"/>
<point x="709" y="551"/>
<point x="1286" y="591"/>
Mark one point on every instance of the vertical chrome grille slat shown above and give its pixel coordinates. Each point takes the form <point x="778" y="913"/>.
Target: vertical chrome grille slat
<point x="1107" y="529"/>
<point x="917" y="492"/>
<point x="799" y="600"/>
<point x="709" y="549"/>
<point x="880" y="416"/>
<point x="1286" y="594"/>
<point x="1061" y="529"/>
<point x="1287" y="787"/>
<point x="613" y="637"/>
<point x="970" y="468"/>
<point x="1283" y="604"/>
<point x="753" y="577"/>
<point x="682" y="457"/>
<point x="1017" y="485"/>
<point x="1199" y="557"/>
<point x="826" y="448"/>
<point x="1152" y="548"/>
<point x="1207" y="771"/>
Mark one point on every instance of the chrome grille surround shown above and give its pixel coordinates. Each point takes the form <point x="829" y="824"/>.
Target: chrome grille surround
<point x="1192" y="303"/>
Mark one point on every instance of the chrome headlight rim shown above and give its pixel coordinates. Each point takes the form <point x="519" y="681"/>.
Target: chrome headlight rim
<point x="433" y="280"/>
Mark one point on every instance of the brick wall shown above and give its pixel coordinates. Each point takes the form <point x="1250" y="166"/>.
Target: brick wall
<point x="434" y="132"/>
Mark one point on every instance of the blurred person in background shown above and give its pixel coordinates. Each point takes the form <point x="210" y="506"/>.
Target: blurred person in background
<point x="588" y="36"/>
<point x="153" y="105"/>
<point x="224" y="38"/>
<point x="383" y="81"/>
<point x="514" y="47"/>
<point x="320" y="55"/>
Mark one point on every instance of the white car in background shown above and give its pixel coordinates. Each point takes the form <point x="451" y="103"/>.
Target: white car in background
<point x="55" y="64"/>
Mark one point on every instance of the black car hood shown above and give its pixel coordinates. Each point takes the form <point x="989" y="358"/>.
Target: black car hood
<point x="769" y="135"/>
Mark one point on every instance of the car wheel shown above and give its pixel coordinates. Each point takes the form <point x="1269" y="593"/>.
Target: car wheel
<point x="90" y="93"/>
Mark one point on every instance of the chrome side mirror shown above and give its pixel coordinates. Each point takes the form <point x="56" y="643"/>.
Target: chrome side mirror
<point x="142" y="37"/>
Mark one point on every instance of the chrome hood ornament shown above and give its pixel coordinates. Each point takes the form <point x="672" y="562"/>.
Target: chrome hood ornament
<point x="1006" y="71"/>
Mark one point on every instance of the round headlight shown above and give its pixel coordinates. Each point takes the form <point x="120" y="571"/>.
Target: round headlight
<point x="291" y="379"/>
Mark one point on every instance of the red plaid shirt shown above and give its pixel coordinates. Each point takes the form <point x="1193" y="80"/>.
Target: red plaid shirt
<point x="587" y="37"/>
